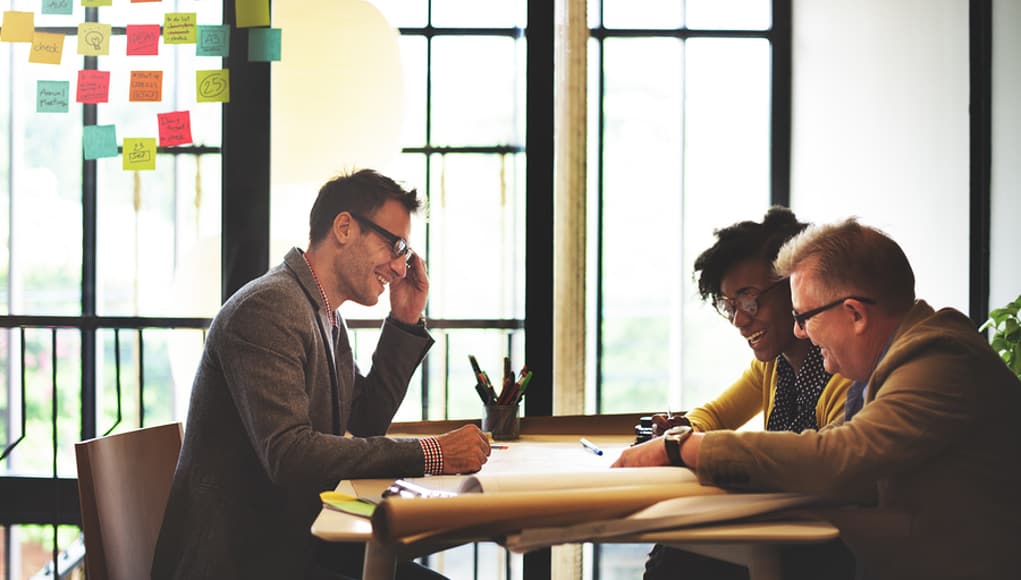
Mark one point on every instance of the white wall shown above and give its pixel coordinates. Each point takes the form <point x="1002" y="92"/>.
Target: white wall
<point x="880" y="128"/>
<point x="1005" y="258"/>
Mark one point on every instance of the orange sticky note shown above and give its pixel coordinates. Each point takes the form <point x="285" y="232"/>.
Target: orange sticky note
<point x="143" y="39"/>
<point x="47" y="48"/>
<point x="93" y="86"/>
<point x="175" y="128"/>
<point x="93" y="38"/>
<point x="179" y="28"/>
<point x="212" y="86"/>
<point x="251" y="13"/>
<point x="139" y="154"/>
<point x="18" y="26"/>
<point x="146" y="86"/>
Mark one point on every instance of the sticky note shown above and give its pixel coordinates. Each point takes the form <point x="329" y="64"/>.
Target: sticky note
<point x="95" y="3"/>
<point x="212" y="86"/>
<point x="18" y="26"/>
<point x="263" y="44"/>
<point x="175" y="128"/>
<point x="146" y="86"/>
<point x="141" y="1"/>
<point x="143" y="39"/>
<point x="47" y="48"/>
<point x="99" y="141"/>
<point x="139" y="154"/>
<point x="52" y="96"/>
<point x="213" y="40"/>
<point x="179" y="28"/>
<point x="57" y="6"/>
<point x="93" y="86"/>
<point x="251" y="13"/>
<point x="93" y="39"/>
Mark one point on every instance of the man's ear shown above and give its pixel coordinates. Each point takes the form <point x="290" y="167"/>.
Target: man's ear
<point x="342" y="231"/>
<point x="859" y="315"/>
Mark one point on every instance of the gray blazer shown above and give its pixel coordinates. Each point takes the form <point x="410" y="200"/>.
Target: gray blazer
<point x="266" y="425"/>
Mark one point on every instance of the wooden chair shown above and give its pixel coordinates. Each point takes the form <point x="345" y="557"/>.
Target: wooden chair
<point x="123" y="483"/>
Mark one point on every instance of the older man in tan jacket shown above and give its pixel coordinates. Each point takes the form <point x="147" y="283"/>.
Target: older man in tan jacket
<point x="934" y="440"/>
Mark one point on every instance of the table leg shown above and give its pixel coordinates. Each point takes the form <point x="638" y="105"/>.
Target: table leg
<point x="380" y="561"/>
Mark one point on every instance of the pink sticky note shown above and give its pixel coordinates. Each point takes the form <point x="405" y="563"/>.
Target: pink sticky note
<point x="143" y="39"/>
<point x="175" y="128"/>
<point x="93" y="86"/>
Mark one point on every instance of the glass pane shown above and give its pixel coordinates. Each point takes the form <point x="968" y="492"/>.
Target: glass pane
<point x="489" y="108"/>
<point x="477" y="237"/>
<point x="727" y="96"/>
<point x="475" y="14"/>
<point x="642" y="211"/>
<point x="44" y="179"/>
<point x="622" y="561"/>
<point x="729" y="14"/>
<point x="413" y="59"/>
<point x="404" y="13"/>
<point x="657" y="14"/>
<point x="32" y="549"/>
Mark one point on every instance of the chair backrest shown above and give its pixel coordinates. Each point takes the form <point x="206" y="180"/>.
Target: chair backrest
<point x="123" y="483"/>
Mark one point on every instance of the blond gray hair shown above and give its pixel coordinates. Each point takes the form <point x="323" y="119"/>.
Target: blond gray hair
<point x="849" y="258"/>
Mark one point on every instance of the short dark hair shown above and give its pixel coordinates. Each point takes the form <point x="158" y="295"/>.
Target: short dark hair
<point x="742" y="241"/>
<point x="362" y="192"/>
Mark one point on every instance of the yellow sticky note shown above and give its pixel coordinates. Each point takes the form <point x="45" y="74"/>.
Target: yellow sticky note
<point x="139" y="154"/>
<point x="94" y="3"/>
<point x="251" y="13"/>
<point x="18" y="26"/>
<point x="47" y="48"/>
<point x="179" y="27"/>
<point x="212" y="86"/>
<point x="93" y="39"/>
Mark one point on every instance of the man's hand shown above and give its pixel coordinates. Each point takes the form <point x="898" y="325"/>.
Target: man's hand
<point x="650" y="453"/>
<point x="409" y="293"/>
<point x="465" y="449"/>
<point x="661" y="423"/>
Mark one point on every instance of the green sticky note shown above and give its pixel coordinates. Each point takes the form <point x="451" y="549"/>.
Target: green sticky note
<point x="58" y="7"/>
<point x="213" y="40"/>
<point x="99" y="141"/>
<point x="263" y="44"/>
<point x="52" y="96"/>
<point x="358" y="507"/>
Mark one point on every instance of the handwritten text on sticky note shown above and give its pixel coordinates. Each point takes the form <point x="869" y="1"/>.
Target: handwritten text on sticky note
<point x="146" y="86"/>
<point x="58" y="7"/>
<point x="52" y="96"/>
<point x="143" y="39"/>
<point x="179" y="28"/>
<point x="175" y="128"/>
<point x="212" y="86"/>
<point x="93" y="86"/>
<point x="93" y="38"/>
<point x="47" y="48"/>
<point x="213" y="40"/>
<point x="139" y="154"/>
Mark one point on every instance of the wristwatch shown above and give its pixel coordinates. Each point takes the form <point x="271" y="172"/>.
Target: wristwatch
<point x="673" y="438"/>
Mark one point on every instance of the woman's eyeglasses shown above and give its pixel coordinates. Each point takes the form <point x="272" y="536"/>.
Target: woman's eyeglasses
<point x="746" y="301"/>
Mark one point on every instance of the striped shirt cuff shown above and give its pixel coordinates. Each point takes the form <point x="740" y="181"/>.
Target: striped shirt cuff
<point x="433" y="455"/>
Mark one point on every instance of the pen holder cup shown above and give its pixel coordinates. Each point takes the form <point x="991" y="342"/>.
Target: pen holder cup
<point x="502" y="421"/>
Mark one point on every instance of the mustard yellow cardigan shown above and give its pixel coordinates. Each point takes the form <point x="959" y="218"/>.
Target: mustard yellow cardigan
<point x="754" y="392"/>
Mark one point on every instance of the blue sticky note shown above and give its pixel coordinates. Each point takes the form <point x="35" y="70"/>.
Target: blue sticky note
<point x="99" y="141"/>
<point x="263" y="44"/>
<point x="213" y="41"/>
<point x="52" y="96"/>
<point x="58" y="6"/>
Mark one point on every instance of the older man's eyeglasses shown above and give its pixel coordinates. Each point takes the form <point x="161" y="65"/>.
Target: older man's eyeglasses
<point x="746" y="301"/>
<point x="398" y="246"/>
<point x="802" y="318"/>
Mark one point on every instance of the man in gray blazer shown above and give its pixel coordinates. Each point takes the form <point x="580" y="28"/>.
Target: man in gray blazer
<point x="277" y="389"/>
<point x="929" y="429"/>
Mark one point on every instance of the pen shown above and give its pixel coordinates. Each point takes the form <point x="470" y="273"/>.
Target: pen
<point x="521" y="389"/>
<point x="590" y="446"/>
<point x="499" y="446"/>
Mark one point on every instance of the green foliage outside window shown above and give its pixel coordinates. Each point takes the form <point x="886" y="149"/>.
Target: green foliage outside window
<point x="1005" y="323"/>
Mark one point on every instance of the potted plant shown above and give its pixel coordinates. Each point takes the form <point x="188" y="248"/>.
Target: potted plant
<point x="1006" y="340"/>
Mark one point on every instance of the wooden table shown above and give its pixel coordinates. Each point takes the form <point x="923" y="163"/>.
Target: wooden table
<point x="752" y="544"/>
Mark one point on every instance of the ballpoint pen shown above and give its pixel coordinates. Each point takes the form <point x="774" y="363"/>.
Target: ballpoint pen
<point x="590" y="446"/>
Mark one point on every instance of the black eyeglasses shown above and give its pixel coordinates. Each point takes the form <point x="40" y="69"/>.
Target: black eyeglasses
<point x="746" y="301"/>
<point x="398" y="246"/>
<point x="801" y="319"/>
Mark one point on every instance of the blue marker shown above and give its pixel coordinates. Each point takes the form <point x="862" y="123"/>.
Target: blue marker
<point x="591" y="446"/>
